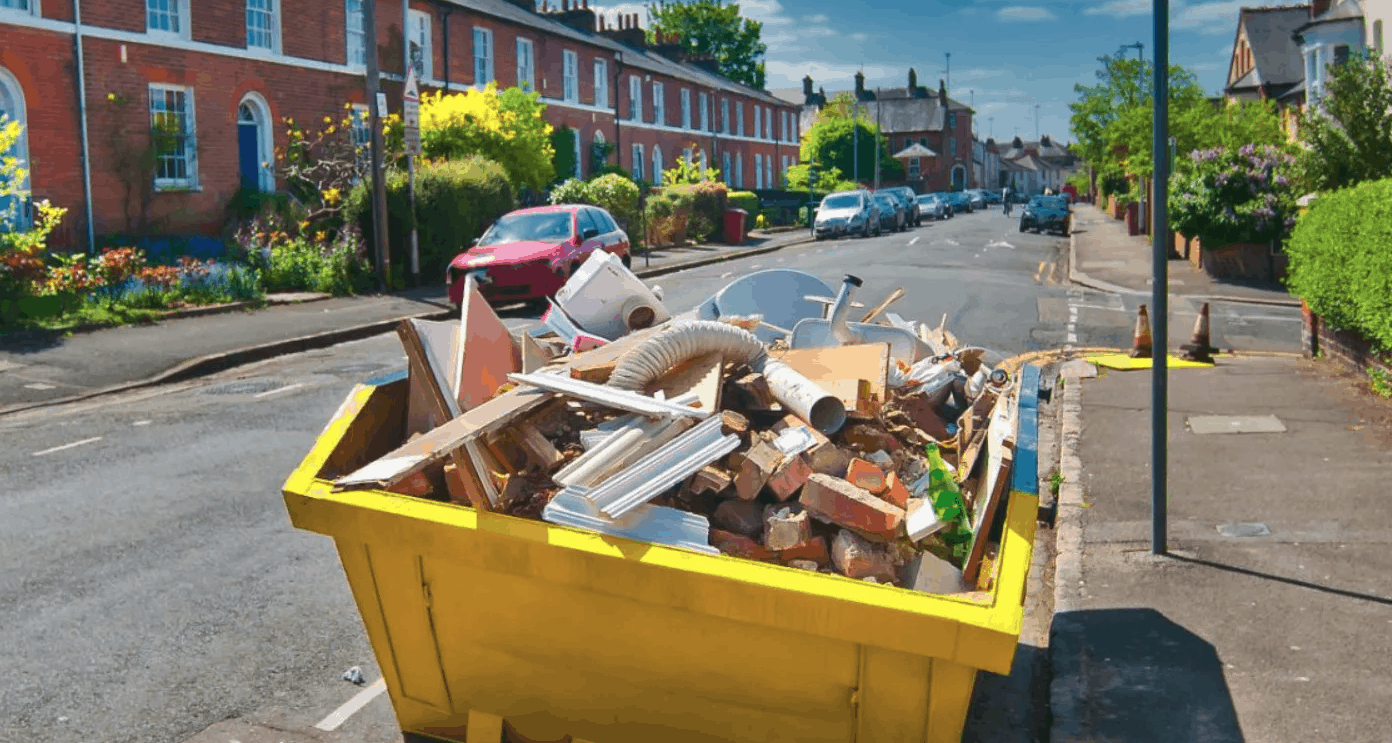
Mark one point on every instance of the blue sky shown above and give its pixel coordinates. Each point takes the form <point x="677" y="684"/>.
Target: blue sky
<point x="1007" y="55"/>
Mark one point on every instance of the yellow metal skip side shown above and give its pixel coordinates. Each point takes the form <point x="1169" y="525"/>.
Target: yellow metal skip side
<point x="480" y="617"/>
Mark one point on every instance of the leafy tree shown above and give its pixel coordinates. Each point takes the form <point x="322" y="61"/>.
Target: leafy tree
<point x="507" y="128"/>
<point x="832" y="143"/>
<point x="1348" y="136"/>
<point x="1122" y="82"/>
<point x="828" y="179"/>
<point x="713" y="27"/>
<point x="563" y="144"/>
<point x="688" y="173"/>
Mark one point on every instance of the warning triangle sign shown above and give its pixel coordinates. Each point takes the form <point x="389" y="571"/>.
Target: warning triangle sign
<point x="412" y="93"/>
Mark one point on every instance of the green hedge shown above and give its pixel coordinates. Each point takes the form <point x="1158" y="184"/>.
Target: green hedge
<point x="1341" y="260"/>
<point x="455" y="201"/>
<point x="746" y="200"/>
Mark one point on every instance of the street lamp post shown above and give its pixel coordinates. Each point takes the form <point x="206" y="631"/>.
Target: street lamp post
<point x="1160" y="286"/>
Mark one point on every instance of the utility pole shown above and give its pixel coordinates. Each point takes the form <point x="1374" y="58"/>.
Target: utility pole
<point x="877" y="139"/>
<point x="1160" y="292"/>
<point x="948" y="71"/>
<point x="410" y="119"/>
<point x="855" y="139"/>
<point x="376" y="101"/>
<point x="992" y="121"/>
<point x="1036" y="122"/>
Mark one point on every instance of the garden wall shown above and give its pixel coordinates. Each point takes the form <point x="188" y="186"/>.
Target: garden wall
<point x="1347" y="347"/>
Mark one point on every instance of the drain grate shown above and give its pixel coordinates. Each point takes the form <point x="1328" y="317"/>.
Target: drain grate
<point x="249" y="387"/>
<point x="1244" y="530"/>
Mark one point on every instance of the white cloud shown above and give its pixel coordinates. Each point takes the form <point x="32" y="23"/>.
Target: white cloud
<point x="767" y="12"/>
<point x="1121" y="8"/>
<point x="859" y="36"/>
<point x="1211" y="18"/>
<point x="817" y="32"/>
<point x="1204" y="67"/>
<point x="819" y="18"/>
<point x="975" y="75"/>
<point x="1024" y="13"/>
<point x="832" y="76"/>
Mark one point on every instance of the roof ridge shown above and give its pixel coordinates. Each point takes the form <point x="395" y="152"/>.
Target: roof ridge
<point x="1264" y="8"/>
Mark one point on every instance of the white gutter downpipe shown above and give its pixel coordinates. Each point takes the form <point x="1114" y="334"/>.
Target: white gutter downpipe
<point x="82" y="115"/>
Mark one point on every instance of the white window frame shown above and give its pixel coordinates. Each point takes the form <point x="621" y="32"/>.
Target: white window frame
<point x="705" y="164"/>
<point x="705" y="113"/>
<point x="353" y="33"/>
<point x="635" y="98"/>
<point x="31" y="8"/>
<point x="636" y="161"/>
<point x="785" y="171"/>
<point x="422" y="35"/>
<point x="914" y="168"/>
<point x="177" y="10"/>
<point x="265" y="139"/>
<point x="570" y="76"/>
<point x="272" y="10"/>
<point x="739" y="170"/>
<point x="739" y="118"/>
<point x="601" y="83"/>
<point x="579" y="163"/>
<point x="9" y="84"/>
<point x="526" y="63"/>
<point x="726" y="171"/>
<point x="758" y="169"/>
<point x="657" y="165"/>
<point x="725" y="116"/>
<point x="190" y="179"/>
<point x="768" y="171"/>
<point x="686" y="108"/>
<point x="483" y="62"/>
<point x="768" y="123"/>
<point x="686" y="155"/>
<point x="758" y="122"/>
<point x="659" y="104"/>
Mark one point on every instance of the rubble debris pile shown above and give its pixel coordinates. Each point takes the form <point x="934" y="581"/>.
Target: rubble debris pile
<point x="873" y="450"/>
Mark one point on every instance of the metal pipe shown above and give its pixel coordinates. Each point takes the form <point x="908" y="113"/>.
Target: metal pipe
<point x="82" y="116"/>
<point x="804" y="397"/>
<point x="841" y="308"/>
<point x="1160" y="292"/>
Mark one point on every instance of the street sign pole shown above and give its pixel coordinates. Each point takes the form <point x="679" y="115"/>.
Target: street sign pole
<point x="410" y="121"/>
<point x="376" y="104"/>
<point x="1160" y="291"/>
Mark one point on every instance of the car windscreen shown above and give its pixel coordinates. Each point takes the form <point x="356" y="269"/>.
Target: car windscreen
<point x="842" y="201"/>
<point x="927" y="199"/>
<point x="545" y="227"/>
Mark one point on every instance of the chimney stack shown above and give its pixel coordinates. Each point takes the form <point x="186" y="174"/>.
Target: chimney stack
<point x="913" y="82"/>
<point x="942" y="93"/>
<point x="573" y="14"/>
<point x="807" y="86"/>
<point x="860" y="85"/>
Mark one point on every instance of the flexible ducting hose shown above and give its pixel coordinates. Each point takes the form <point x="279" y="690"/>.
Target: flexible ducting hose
<point x="655" y="357"/>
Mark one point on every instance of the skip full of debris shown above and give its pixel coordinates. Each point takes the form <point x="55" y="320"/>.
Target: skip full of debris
<point x="762" y="424"/>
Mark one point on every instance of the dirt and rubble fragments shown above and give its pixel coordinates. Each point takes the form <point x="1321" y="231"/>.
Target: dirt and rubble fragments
<point x="886" y="498"/>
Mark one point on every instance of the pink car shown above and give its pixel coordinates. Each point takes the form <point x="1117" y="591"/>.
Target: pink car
<point x="528" y="254"/>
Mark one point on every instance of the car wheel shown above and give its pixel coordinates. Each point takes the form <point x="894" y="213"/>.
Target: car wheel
<point x="627" y="260"/>
<point x="1023" y="227"/>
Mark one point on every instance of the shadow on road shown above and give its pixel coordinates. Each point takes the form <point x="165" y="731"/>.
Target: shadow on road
<point x="1134" y="676"/>
<point x="1282" y="579"/>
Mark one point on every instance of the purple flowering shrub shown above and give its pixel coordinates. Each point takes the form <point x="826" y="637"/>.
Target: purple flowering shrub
<point x="1226" y="195"/>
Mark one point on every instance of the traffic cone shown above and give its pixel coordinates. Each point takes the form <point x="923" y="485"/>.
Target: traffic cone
<point x="1198" y="349"/>
<point x="1140" y="348"/>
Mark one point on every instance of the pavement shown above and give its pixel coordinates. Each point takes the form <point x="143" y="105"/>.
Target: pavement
<point x="1103" y="256"/>
<point x="48" y="368"/>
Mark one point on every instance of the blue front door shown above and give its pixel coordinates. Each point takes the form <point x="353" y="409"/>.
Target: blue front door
<point x="247" y="146"/>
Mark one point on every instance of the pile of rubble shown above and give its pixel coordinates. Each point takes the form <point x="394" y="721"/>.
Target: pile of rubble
<point x="877" y="450"/>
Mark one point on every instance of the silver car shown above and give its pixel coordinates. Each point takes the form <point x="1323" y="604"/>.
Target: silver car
<point x="847" y="213"/>
<point x="933" y="206"/>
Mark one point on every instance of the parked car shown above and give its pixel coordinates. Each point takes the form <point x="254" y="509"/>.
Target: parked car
<point x="528" y="254"/>
<point x="893" y="216"/>
<point x="909" y="199"/>
<point x="1046" y="213"/>
<point x="961" y="202"/>
<point x="977" y="198"/>
<point x="933" y="206"/>
<point x="992" y="195"/>
<point x="846" y="213"/>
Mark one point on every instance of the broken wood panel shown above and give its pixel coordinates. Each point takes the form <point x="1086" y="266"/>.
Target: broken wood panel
<point x="893" y="297"/>
<point x="996" y="482"/>
<point x="825" y="366"/>
<point x="487" y="352"/>
<point x="701" y="375"/>
<point x="418" y="339"/>
<point x="538" y="448"/>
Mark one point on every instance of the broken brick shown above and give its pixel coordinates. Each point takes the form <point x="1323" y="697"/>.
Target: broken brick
<point x="844" y="504"/>
<point x="814" y="549"/>
<point x="789" y="477"/>
<point x="895" y="492"/>
<point x="734" y="423"/>
<point x="925" y="416"/>
<point x="735" y="461"/>
<point x="739" y="516"/>
<point x="760" y="462"/>
<point x="754" y="391"/>
<point x="786" y="525"/>
<point x="738" y="545"/>
<point x="828" y="459"/>
<point x="710" y="479"/>
<point x="866" y="476"/>
<point x="867" y="437"/>
<point x="417" y="484"/>
<point x="854" y="557"/>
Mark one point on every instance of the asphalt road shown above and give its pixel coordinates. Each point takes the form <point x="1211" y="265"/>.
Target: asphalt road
<point x="151" y="585"/>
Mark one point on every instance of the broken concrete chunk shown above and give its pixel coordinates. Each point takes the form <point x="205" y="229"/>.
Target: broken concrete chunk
<point x="846" y="505"/>
<point x="895" y="492"/>
<point x="740" y="517"/>
<point x="711" y="479"/>
<point x="880" y="459"/>
<point x="854" y="557"/>
<point x="786" y="526"/>
<point x="814" y="550"/>
<point x="922" y="519"/>
<point x="867" y="437"/>
<point x="829" y="459"/>
<point x="929" y="573"/>
<point x="760" y="462"/>
<point x="866" y="476"/>
<point x="738" y="545"/>
<point x="790" y="477"/>
<point x="755" y="392"/>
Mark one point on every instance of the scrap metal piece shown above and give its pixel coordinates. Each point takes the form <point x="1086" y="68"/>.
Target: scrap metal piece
<point x="675" y="461"/>
<point x="610" y="396"/>
<point x="560" y="323"/>
<point x="647" y="523"/>
<point x="794" y="441"/>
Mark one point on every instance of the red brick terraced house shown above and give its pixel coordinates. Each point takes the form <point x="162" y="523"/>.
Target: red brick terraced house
<point x="222" y="75"/>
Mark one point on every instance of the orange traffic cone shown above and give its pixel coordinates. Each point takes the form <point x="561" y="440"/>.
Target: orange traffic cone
<point x="1198" y="349"/>
<point x="1140" y="348"/>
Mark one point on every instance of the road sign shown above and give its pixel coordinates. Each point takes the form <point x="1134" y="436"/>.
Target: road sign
<point x="410" y="114"/>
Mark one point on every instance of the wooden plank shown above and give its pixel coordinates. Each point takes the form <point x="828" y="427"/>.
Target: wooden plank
<point x="538" y="448"/>
<point x="825" y="366"/>
<point x="893" y="297"/>
<point x="487" y="353"/>
<point x="533" y="356"/>
<point x="702" y="375"/>
<point x="995" y="485"/>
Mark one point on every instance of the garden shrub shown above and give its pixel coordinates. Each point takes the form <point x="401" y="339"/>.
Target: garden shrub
<point x="708" y="200"/>
<point x="619" y="196"/>
<point x="746" y="200"/>
<point x="1341" y="260"/>
<point x="455" y="201"/>
<point x="1229" y="195"/>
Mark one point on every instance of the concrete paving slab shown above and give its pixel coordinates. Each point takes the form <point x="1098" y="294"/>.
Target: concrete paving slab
<point x="1203" y="425"/>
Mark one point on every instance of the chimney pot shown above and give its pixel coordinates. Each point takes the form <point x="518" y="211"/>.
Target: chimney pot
<point x="586" y="4"/>
<point x="565" y="4"/>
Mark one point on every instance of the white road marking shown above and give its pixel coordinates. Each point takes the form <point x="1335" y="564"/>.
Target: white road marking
<point x="1072" y="324"/>
<point x="911" y="242"/>
<point x="38" y="386"/>
<point x="67" y="446"/>
<point x="280" y="390"/>
<point x="756" y="265"/>
<point x="727" y="274"/>
<point x="351" y="707"/>
<point x="999" y="244"/>
<point x="141" y="423"/>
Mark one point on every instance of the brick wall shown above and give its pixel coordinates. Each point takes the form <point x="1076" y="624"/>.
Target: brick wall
<point x="1343" y="346"/>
